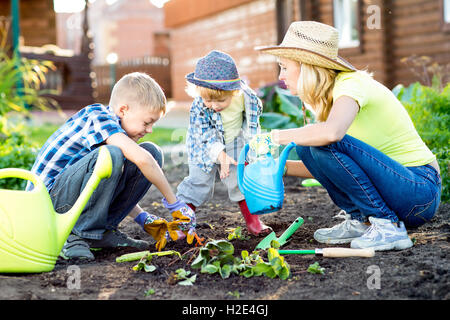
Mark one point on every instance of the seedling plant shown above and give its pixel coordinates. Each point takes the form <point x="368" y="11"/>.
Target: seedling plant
<point x="217" y="257"/>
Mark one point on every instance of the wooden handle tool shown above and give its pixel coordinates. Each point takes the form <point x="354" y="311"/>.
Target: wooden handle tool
<point x="334" y="252"/>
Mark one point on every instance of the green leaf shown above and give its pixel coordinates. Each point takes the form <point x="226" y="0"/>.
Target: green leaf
<point x="199" y="260"/>
<point x="272" y="120"/>
<point x="248" y="273"/>
<point x="189" y="281"/>
<point x="289" y="104"/>
<point x="149" y="292"/>
<point x="284" y="274"/>
<point x="149" y="268"/>
<point x="225" y="271"/>
<point x="225" y="247"/>
<point x="274" y="244"/>
<point x="271" y="273"/>
<point x="209" y="268"/>
<point x="261" y="268"/>
<point x="272" y="253"/>
<point x="182" y="273"/>
<point x="315" y="268"/>
<point x="276" y="264"/>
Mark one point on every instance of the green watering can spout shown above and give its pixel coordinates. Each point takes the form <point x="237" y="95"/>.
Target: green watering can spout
<point x="32" y="234"/>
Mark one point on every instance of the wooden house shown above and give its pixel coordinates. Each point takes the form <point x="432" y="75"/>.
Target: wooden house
<point x="377" y="35"/>
<point x="73" y="79"/>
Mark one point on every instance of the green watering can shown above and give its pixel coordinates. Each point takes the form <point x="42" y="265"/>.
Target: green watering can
<point x="32" y="234"/>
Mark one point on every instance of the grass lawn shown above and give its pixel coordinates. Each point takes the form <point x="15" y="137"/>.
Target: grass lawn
<point x="160" y="136"/>
<point x="40" y="134"/>
<point x="166" y="136"/>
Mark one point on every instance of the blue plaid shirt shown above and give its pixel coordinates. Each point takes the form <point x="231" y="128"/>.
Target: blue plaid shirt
<point x="82" y="133"/>
<point x="205" y="128"/>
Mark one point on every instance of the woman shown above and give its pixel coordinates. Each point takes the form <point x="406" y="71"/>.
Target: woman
<point x="363" y="148"/>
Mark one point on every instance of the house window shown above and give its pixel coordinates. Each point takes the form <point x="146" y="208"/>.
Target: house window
<point x="346" y="20"/>
<point x="446" y="9"/>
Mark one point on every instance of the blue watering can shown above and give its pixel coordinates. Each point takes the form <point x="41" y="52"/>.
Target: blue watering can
<point x="262" y="181"/>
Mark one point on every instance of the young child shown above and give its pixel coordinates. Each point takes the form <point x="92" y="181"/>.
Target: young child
<point x="223" y="117"/>
<point x="67" y="159"/>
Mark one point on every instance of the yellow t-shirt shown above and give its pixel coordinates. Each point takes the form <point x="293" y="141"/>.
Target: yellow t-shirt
<point x="382" y="121"/>
<point x="232" y="117"/>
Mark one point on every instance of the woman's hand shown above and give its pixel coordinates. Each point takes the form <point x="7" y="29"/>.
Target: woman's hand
<point x="225" y="161"/>
<point x="263" y="143"/>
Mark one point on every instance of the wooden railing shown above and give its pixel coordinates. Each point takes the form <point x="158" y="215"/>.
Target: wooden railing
<point x="77" y="84"/>
<point x="72" y="80"/>
<point x="157" y="67"/>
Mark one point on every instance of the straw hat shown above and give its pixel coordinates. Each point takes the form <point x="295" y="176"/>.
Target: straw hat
<point x="310" y="42"/>
<point x="216" y="70"/>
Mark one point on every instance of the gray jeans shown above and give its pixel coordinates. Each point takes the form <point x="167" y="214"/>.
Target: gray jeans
<point x="198" y="187"/>
<point x="114" y="197"/>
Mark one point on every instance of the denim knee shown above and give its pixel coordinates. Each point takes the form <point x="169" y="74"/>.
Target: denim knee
<point x="310" y="155"/>
<point x="155" y="151"/>
<point x="302" y="151"/>
<point x="117" y="158"/>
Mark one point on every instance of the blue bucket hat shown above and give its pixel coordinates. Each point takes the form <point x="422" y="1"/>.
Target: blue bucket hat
<point x="217" y="71"/>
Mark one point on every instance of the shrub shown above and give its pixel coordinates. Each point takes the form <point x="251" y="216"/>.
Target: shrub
<point x="282" y="110"/>
<point x="20" y="81"/>
<point x="429" y="110"/>
<point x="15" y="152"/>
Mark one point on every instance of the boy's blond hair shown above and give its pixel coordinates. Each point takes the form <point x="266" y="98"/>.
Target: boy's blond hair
<point x="194" y="91"/>
<point x="138" y="88"/>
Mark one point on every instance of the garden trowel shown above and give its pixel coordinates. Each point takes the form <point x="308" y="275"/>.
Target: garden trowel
<point x="265" y="243"/>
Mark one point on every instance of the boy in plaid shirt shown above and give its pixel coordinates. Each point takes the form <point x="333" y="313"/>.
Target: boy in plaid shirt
<point x="67" y="159"/>
<point x="223" y="117"/>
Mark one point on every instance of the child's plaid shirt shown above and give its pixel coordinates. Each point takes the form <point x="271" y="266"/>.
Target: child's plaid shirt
<point x="82" y="133"/>
<point x="206" y="129"/>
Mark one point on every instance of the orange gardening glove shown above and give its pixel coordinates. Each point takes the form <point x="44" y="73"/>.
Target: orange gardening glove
<point x="187" y="225"/>
<point x="185" y="217"/>
<point x="158" y="228"/>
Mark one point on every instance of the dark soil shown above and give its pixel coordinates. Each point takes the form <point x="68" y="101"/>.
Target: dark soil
<point x="421" y="272"/>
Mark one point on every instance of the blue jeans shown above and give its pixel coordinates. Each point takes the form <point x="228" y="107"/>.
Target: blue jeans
<point x="114" y="197"/>
<point x="365" y="182"/>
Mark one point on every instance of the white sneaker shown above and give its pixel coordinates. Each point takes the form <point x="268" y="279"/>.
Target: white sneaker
<point x="343" y="232"/>
<point x="383" y="235"/>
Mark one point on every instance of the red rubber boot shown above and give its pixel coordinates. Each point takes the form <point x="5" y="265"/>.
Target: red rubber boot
<point x="254" y="225"/>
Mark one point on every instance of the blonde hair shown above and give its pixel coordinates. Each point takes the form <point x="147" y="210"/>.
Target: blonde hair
<point x="194" y="91"/>
<point x="315" y="87"/>
<point x="138" y="88"/>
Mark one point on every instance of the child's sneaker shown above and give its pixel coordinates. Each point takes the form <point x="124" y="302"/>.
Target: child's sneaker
<point x="383" y="235"/>
<point x="343" y="232"/>
<point x="76" y="247"/>
<point x="115" y="238"/>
